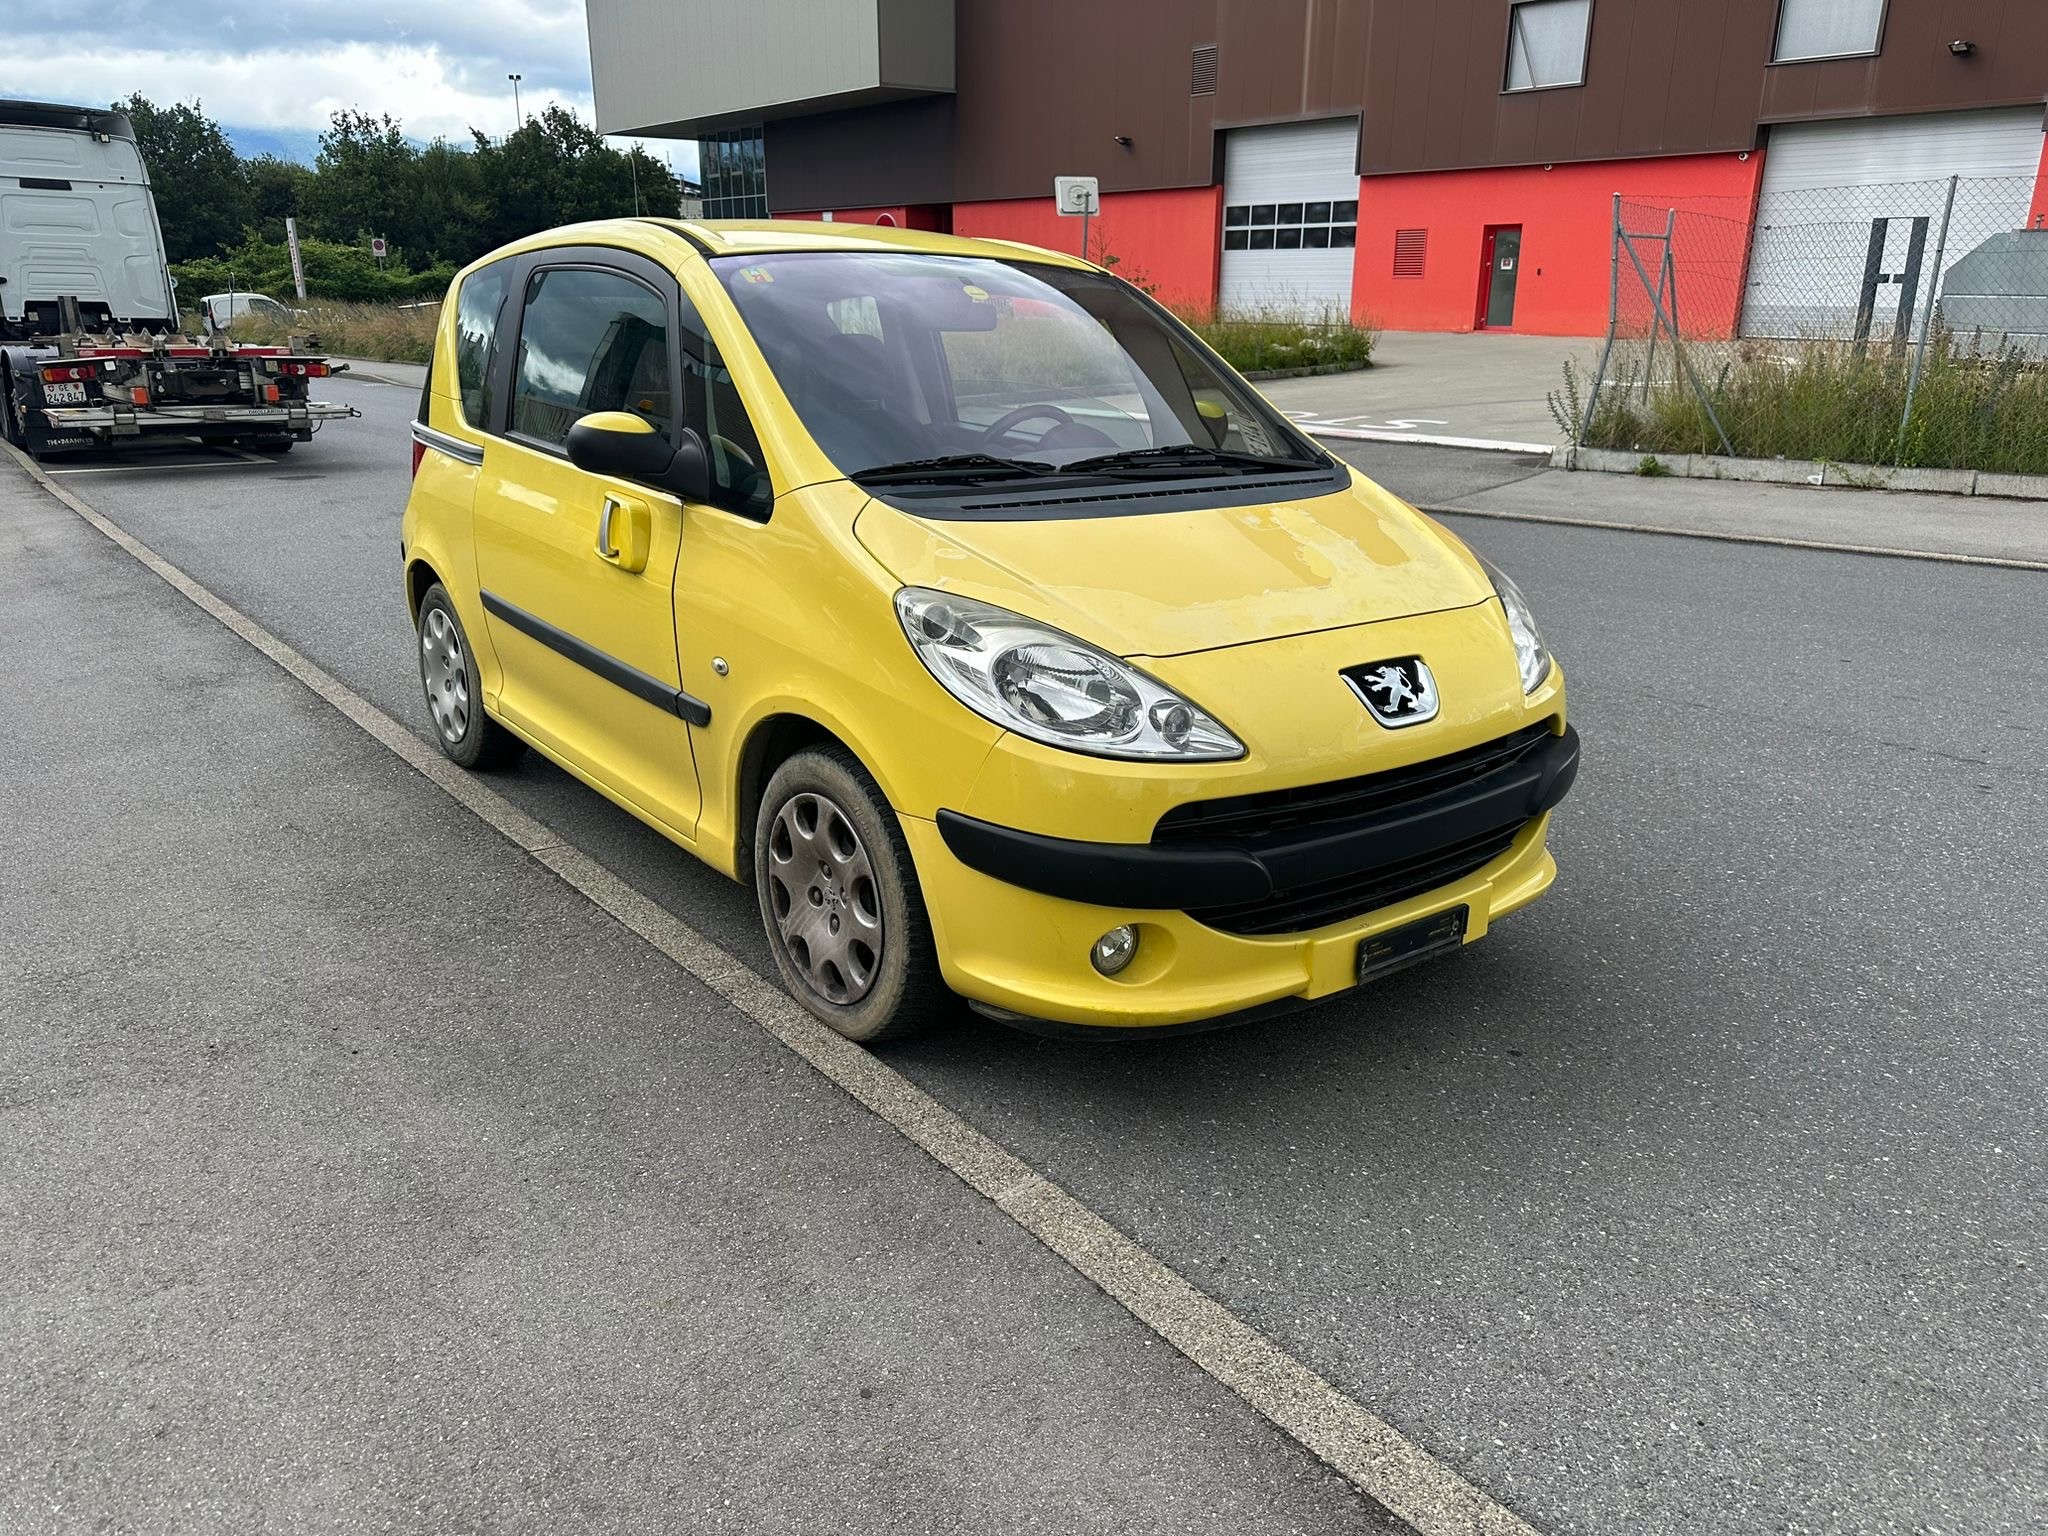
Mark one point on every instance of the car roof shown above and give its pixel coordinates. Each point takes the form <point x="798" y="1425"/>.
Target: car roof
<point x="748" y="237"/>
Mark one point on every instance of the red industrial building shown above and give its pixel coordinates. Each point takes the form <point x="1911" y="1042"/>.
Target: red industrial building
<point x="1449" y="165"/>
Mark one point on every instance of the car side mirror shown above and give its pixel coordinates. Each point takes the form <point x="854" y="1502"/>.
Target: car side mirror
<point x="623" y="446"/>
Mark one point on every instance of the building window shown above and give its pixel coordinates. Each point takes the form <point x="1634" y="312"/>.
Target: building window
<point x="1827" y="29"/>
<point x="1290" y="226"/>
<point x="1547" y="43"/>
<point x="734" y="169"/>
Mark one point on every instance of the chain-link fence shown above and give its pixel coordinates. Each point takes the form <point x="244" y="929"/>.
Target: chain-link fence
<point x="1899" y="324"/>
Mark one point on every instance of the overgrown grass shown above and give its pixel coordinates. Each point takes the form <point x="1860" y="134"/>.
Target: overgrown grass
<point x="1258" y="341"/>
<point x="384" y="333"/>
<point x="1825" y="400"/>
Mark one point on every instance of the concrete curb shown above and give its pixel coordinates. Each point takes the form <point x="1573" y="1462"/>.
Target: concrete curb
<point x="1312" y="371"/>
<point x="1815" y="472"/>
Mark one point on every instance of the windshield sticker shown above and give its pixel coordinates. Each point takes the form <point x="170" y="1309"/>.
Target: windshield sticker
<point x="757" y="274"/>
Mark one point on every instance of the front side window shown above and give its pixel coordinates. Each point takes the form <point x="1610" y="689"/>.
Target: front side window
<point x="476" y="331"/>
<point x="1824" y="29"/>
<point x="713" y="410"/>
<point x="901" y="364"/>
<point x="1547" y="43"/>
<point x="589" y="341"/>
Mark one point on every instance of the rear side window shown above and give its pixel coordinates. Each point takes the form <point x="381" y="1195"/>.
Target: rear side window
<point x="476" y="335"/>
<point x="590" y="341"/>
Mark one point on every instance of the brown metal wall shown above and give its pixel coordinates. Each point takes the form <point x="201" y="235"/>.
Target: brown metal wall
<point x="1044" y="85"/>
<point x="1670" y="77"/>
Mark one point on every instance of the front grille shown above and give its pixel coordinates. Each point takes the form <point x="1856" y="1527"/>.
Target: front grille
<point x="1348" y="896"/>
<point x="1313" y="807"/>
<point x="1272" y="819"/>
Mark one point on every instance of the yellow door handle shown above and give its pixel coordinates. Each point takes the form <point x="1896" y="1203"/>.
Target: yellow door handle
<point x="625" y="528"/>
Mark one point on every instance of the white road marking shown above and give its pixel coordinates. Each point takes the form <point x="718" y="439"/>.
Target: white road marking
<point x="1360" y="1446"/>
<point x="1435" y="440"/>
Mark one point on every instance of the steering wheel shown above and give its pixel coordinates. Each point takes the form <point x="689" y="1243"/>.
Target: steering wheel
<point x="1009" y="421"/>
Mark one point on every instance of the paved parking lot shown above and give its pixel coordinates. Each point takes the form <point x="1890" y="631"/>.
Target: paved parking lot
<point x="1702" y="1196"/>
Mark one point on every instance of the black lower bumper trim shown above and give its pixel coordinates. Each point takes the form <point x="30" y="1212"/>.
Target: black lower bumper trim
<point x="1191" y="876"/>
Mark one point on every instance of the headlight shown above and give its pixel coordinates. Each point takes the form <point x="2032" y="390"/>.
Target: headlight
<point x="1530" y="652"/>
<point x="1053" y="688"/>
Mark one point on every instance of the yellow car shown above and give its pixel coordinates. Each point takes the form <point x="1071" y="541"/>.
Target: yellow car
<point x="956" y="597"/>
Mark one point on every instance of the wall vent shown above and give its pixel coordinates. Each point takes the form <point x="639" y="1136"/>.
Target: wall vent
<point x="1202" y="73"/>
<point x="1411" y="246"/>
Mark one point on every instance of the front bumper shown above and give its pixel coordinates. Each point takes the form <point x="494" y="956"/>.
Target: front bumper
<point x="1023" y="953"/>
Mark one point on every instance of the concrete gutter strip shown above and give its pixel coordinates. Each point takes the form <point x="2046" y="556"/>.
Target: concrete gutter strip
<point x="1807" y="472"/>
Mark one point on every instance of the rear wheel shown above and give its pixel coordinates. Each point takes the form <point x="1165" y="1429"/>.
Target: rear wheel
<point x="455" y="695"/>
<point x="280" y="444"/>
<point x="840" y="900"/>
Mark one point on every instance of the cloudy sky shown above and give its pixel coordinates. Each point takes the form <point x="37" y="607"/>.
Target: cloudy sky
<point x="279" y="67"/>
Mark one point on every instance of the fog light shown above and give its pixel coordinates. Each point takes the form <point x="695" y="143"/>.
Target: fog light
<point x="1113" y="951"/>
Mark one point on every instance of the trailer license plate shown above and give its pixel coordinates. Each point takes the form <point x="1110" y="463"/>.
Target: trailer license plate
<point x="1403" y="946"/>
<point x="64" y="394"/>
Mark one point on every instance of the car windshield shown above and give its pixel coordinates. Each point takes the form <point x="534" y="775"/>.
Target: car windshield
<point x="907" y="367"/>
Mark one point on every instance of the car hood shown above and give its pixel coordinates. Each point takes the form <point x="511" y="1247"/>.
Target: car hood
<point x="1169" y="583"/>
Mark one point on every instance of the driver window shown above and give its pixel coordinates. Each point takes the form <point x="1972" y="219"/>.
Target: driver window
<point x="714" y="411"/>
<point x="589" y="341"/>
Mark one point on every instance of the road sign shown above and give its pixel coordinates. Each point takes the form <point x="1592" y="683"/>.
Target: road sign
<point x="1076" y="196"/>
<point x="378" y="247"/>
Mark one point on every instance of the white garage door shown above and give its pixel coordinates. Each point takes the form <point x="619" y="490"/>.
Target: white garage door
<point x="1290" y="216"/>
<point x="1825" y="185"/>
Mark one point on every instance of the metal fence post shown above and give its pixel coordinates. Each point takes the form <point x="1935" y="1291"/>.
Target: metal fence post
<point x="1927" y="319"/>
<point x="1613" y="323"/>
<point x="1684" y="362"/>
<point x="1664" y="268"/>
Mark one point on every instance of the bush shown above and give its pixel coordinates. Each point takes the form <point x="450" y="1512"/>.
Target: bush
<point x="333" y="271"/>
<point x="1269" y="340"/>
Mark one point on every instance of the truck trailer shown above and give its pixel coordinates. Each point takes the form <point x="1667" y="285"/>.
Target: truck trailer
<point x="92" y="354"/>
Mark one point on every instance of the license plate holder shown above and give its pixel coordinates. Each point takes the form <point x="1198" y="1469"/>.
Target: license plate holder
<point x="64" y="394"/>
<point x="1397" y="948"/>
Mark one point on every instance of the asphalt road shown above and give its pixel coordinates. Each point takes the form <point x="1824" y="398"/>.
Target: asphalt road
<point x="1704" y="1195"/>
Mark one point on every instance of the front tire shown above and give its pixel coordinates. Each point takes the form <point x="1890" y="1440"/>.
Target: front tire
<point x="467" y="735"/>
<point x="840" y="900"/>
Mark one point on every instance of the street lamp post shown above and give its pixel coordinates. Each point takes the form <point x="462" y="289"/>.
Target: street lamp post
<point x="518" y="119"/>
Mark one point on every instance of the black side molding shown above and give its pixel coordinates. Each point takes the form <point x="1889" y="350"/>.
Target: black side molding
<point x="642" y="685"/>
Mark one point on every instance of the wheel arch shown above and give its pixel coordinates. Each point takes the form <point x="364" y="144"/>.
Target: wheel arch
<point x="770" y="742"/>
<point x="419" y="575"/>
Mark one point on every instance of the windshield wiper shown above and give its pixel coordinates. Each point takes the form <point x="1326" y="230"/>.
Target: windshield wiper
<point x="1182" y="456"/>
<point x="953" y="466"/>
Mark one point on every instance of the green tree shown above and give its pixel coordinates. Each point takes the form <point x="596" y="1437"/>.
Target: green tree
<point x="364" y="180"/>
<point x="278" y="189"/>
<point x="202" y="195"/>
<point x="449" y="210"/>
<point x="556" y="170"/>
